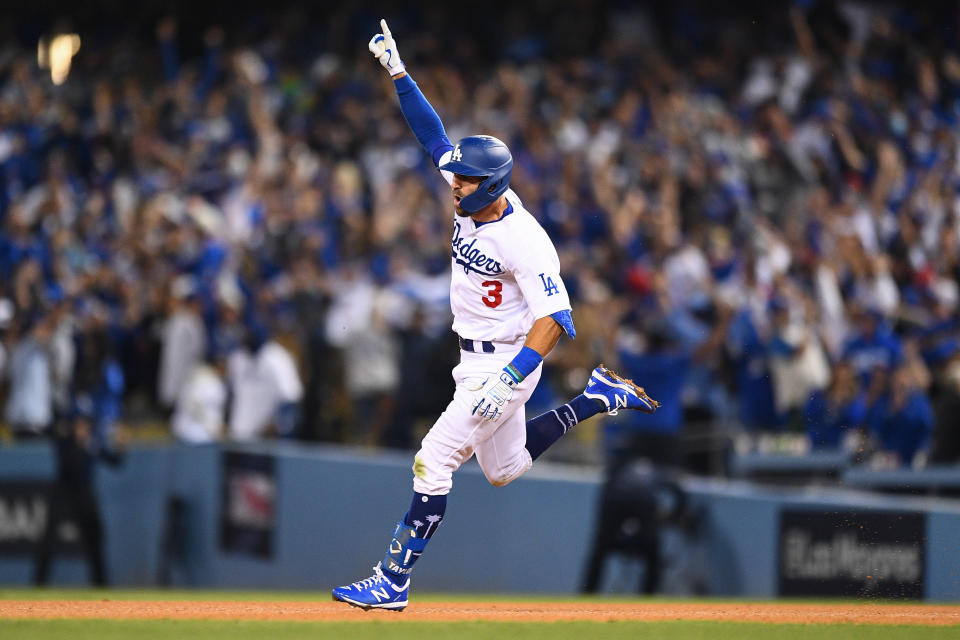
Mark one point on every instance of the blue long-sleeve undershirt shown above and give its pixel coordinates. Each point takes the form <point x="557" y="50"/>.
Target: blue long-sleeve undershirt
<point x="422" y="119"/>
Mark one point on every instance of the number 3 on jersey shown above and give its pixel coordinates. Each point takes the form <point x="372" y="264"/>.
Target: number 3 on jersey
<point x="494" y="293"/>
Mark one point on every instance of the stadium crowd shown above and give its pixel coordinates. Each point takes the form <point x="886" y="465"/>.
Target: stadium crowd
<point x="758" y="219"/>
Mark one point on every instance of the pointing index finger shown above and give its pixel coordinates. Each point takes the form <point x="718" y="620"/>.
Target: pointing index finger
<point x="384" y="27"/>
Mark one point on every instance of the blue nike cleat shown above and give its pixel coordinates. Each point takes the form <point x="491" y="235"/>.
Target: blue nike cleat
<point x="376" y="592"/>
<point x="617" y="393"/>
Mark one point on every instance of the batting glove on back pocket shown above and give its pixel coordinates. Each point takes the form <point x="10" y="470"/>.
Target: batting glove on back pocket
<point x="384" y="49"/>
<point x="493" y="396"/>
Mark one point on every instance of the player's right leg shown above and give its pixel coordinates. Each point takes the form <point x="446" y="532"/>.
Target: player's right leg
<point x="448" y="444"/>
<point x="389" y="586"/>
<point x="605" y="392"/>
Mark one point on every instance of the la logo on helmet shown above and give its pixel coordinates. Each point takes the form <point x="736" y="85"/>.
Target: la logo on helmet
<point x="457" y="155"/>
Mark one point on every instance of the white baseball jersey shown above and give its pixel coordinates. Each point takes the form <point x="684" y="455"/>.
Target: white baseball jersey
<point x="506" y="274"/>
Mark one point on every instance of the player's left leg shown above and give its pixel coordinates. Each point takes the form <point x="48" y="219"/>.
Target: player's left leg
<point x="605" y="392"/>
<point x="502" y="457"/>
<point x="511" y="450"/>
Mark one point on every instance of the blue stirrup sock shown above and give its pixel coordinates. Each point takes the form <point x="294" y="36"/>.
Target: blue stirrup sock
<point x="403" y="551"/>
<point x="412" y="533"/>
<point x="425" y="514"/>
<point x="546" y="429"/>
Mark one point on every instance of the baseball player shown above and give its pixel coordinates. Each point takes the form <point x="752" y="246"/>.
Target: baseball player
<point x="510" y="308"/>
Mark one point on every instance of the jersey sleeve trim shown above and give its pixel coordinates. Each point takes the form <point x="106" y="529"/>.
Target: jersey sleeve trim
<point x="565" y="320"/>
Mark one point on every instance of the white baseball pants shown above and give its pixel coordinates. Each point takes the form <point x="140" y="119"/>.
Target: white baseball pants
<point x="457" y="435"/>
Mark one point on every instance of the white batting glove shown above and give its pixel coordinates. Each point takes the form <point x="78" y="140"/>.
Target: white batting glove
<point x="493" y="396"/>
<point x="384" y="49"/>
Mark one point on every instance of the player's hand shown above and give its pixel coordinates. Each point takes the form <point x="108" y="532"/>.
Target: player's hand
<point x="493" y="396"/>
<point x="384" y="49"/>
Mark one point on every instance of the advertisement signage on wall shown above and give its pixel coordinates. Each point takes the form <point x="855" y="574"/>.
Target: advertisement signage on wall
<point x="852" y="553"/>
<point x="248" y="504"/>
<point x="24" y="509"/>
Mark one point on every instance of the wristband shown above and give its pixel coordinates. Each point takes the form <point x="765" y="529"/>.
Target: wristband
<point x="523" y="364"/>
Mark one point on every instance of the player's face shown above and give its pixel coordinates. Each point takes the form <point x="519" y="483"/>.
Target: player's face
<point x="462" y="187"/>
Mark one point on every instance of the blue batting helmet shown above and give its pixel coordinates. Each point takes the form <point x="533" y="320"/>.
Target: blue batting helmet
<point x="482" y="156"/>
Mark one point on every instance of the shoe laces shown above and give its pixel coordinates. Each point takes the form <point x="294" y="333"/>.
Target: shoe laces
<point x="375" y="579"/>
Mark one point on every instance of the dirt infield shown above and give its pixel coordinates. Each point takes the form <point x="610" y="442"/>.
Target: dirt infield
<point x="895" y="614"/>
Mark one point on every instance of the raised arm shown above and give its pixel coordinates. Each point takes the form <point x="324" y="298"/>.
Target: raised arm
<point x="420" y="116"/>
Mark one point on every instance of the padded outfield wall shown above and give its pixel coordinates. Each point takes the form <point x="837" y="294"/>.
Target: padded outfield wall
<point x="294" y="516"/>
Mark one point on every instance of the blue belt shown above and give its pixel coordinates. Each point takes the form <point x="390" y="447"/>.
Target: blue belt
<point x="471" y="345"/>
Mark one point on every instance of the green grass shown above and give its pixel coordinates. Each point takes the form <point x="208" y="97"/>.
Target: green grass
<point x="395" y="627"/>
<point x="83" y="593"/>
<point x="244" y="630"/>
